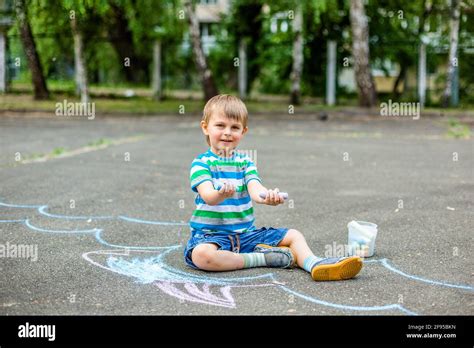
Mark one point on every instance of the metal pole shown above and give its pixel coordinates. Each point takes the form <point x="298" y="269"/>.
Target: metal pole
<point x="3" y="63"/>
<point x="156" y="82"/>
<point x="242" y="69"/>
<point x="422" y="74"/>
<point x="331" y="73"/>
<point x="455" y="87"/>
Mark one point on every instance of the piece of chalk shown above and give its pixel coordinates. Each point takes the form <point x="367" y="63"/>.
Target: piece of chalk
<point x="283" y="195"/>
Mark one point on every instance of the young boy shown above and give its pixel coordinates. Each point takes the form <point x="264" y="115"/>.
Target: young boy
<point x="223" y="237"/>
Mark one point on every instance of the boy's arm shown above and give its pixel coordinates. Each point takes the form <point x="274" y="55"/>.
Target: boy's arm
<point x="212" y="196"/>
<point x="254" y="187"/>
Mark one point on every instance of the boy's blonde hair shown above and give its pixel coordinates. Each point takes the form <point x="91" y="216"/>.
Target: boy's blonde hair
<point x="231" y="106"/>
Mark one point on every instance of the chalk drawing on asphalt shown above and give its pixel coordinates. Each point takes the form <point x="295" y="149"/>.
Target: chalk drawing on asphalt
<point x="149" y="265"/>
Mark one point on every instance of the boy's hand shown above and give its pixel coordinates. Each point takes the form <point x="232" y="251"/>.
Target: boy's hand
<point x="227" y="190"/>
<point x="273" y="198"/>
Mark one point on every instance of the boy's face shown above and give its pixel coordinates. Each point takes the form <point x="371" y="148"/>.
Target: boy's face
<point x="224" y="133"/>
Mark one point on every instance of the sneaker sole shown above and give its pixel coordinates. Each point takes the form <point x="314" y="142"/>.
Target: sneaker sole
<point x="266" y="246"/>
<point x="345" y="269"/>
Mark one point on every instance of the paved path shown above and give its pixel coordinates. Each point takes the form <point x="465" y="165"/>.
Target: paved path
<point x="107" y="217"/>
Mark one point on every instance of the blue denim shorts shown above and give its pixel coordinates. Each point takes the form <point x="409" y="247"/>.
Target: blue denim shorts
<point x="236" y="242"/>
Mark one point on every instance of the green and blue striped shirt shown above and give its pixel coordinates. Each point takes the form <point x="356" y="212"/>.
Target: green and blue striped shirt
<point x="234" y="214"/>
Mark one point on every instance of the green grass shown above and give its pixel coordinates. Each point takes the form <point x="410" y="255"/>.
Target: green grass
<point x="112" y="100"/>
<point x="34" y="155"/>
<point x="458" y="130"/>
<point x="58" y="151"/>
<point x="144" y="105"/>
<point x="100" y="142"/>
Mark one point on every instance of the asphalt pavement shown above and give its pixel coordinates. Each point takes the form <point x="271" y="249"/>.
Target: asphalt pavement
<point x="105" y="202"/>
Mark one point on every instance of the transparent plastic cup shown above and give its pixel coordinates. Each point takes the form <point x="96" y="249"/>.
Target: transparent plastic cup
<point x="361" y="238"/>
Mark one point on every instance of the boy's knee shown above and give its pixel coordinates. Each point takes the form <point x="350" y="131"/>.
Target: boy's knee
<point x="202" y="256"/>
<point x="293" y="234"/>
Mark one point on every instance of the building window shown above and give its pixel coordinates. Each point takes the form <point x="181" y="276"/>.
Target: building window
<point x="207" y="29"/>
<point x="279" y="23"/>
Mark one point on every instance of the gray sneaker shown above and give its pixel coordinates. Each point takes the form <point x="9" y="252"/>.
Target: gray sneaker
<point x="281" y="257"/>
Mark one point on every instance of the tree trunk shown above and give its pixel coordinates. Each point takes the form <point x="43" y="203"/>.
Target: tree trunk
<point x="400" y="78"/>
<point x="121" y="38"/>
<point x="427" y="8"/>
<point x="80" y="67"/>
<point x="361" y="54"/>
<point x="208" y="85"/>
<point x="297" y="57"/>
<point x="453" y="50"/>
<point x="29" y="45"/>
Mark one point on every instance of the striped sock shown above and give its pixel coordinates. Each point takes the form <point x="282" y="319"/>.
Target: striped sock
<point x="309" y="262"/>
<point x="254" y="260"/>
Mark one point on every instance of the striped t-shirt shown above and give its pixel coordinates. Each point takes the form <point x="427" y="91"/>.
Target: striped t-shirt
<point x="234" y="214"/>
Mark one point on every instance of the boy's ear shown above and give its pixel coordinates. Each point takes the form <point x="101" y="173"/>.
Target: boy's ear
<point x="204" y="128"/>
<point x="245" y="130"/>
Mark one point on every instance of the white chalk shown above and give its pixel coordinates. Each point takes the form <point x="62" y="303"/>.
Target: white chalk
<point x="283" y="195"/>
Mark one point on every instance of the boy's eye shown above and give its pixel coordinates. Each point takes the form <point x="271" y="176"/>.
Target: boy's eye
<point x="223" y="125"/>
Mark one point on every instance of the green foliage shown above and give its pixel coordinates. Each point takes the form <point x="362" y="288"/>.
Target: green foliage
<point x="395" y="27"/>
<point x="146" y="20"/>
<point x="243" y="23"/>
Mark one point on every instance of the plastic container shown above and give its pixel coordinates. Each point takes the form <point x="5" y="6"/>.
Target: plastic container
<point x="361" y="238"/>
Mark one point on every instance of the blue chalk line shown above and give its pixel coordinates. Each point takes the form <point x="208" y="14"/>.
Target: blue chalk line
<point x="42" y="210"/>
<point x="347" y="307"/>
<point x="152" y="222"/>
<point x="165" y="272"/>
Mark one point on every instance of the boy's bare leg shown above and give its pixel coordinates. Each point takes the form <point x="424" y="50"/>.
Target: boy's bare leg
<point x="208" y="258"/>
<point x="338" y="269"/>
<point x="297" y="243"/>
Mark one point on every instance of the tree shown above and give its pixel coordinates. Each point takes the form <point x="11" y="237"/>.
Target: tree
<point x="80" y="14"/>
<point x="297" y="68"/>
<point x="245" y="24"/>
<point x="453" y="50"/>
<point x="323" y="21"/>
<point x="79" y="62"/>
<point x="142" y="22"/>
<point x="120" y="35"/>
<point x="396" y="30"/>
<point x="284" y="54"/>
<point x="361" y="54"/>
<point x="29" y="45"/>
<point x="207" y="80"/>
